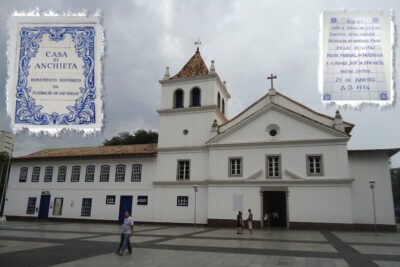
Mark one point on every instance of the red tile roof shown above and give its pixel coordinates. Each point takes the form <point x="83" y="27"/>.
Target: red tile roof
<point x="193" y="68"/>
<point x="145" y="150"/>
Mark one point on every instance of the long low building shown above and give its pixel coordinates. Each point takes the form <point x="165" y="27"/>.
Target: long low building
<point x="277" y="157"/>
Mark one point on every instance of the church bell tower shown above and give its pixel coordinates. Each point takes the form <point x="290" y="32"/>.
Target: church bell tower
<point x="193" y="101"/>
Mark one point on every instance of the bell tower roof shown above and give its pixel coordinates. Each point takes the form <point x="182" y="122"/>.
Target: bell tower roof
<point x="195" y="67"/>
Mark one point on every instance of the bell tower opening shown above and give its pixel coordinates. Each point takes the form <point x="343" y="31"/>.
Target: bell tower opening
<point x="195" y="97"/>
<point x="178" y="98"/>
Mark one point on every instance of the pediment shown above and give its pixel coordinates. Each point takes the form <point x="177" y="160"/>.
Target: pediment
<point x="289" y="126"/>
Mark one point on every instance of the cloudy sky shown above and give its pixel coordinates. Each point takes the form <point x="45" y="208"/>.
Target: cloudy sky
<point x="247" y="39"/>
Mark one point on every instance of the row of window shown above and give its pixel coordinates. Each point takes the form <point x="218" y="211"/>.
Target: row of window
<point x="221" y="103"/>
<point x="273" y="170"/>
<point x="195" y="99"/>
<point x="273" y="167"/>
<point x="76" y="172"/>
<point x="86" y="208"/>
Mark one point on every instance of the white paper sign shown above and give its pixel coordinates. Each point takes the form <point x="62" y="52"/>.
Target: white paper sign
<point x="357" y="57"/>
<point x="55" y="73"/>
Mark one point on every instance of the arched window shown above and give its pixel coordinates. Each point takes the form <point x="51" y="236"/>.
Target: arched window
<point x="223" y="106"/>
<point x="178" y="98"/>
<point x="195" y="97"/>
<point x="219" y="101"/>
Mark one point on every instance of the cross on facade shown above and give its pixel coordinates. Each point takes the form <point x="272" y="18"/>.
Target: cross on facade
<point x="198" y="43"/>
<point x="272" y="77"/>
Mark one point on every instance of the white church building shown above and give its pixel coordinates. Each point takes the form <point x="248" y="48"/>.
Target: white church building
<point x="276" y="157"/>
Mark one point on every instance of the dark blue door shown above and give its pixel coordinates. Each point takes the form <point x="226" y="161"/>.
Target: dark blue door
<point x="125" y="204"/>
<point x="44" y="207"/>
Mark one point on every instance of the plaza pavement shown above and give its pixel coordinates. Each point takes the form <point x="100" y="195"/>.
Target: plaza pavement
<point x="92" y="244"/>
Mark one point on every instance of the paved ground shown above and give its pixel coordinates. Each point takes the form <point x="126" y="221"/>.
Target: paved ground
<point x="90" y="244"/>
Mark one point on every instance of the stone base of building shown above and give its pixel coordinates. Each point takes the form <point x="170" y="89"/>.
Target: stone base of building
<point x="78" y="220"/>
<point x="312" y="226"/>
<point x="232" y="224"/>
<point x="342" y="226"/>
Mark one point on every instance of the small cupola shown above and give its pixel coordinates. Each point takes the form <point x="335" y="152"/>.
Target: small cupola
<point x="166" y="73"/>
<point x="212" y="67"/>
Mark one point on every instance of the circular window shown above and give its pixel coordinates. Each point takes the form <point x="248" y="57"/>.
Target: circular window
<point x="185" y="132"/>
<point x="272" y="130"/>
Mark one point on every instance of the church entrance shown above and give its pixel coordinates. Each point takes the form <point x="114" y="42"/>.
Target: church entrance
<point x="274" y="204"/>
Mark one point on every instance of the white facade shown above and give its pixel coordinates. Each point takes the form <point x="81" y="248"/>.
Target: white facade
<point x="73" y="192"/>
<point x="277" y="156"/>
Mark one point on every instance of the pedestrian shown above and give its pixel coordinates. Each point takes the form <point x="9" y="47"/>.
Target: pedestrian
<point x="266" y="221"/>
<point x="239" y="220"/>
<point x="121" y="242"/>
<point x="127" y="230"/>
<point x="275" y="217"/>
<point x="250" y="221"/>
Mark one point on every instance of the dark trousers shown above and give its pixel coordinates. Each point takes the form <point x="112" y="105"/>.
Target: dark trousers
<point x="122" y="242"/>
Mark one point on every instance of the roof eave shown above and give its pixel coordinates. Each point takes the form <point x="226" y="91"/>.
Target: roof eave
<point x="209" y="76"/>
<point x="136" y="155"/>
<point x="389" y="151"/>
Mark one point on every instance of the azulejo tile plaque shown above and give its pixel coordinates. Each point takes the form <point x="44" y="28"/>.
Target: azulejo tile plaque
<point x="356" y="57"/>
<point x="55" y="68"/>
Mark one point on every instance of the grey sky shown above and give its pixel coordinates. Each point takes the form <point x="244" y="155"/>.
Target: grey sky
<point x="247" y="39"/>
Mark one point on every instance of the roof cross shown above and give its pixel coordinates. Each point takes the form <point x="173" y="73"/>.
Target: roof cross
<point x="272" y="77"/>
<point x="198" y="43"/>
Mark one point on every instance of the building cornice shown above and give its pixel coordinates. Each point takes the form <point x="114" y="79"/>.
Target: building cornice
<point x="183" y="149"/>
<point x="284" y="182"/>
<point x="152" y="155"/>
<point x="266" y="182"/>
<point x="180" y="183"/>
<point x="207" y="108"/>
<point x="208" y="77"/>
<point x="339" y="140"/>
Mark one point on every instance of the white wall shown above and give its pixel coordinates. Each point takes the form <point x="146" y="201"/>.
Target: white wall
<point x="167" y="163"/>
<point x="366" y="166"/>
<point x="298" y="108"/>
<point x="166" y="209"/>
<point x="220" y="202"/>
<point x="17" y="201"/>
<point x="73" y="192"/>
<point x="254" y="130"/>
<point x="198" y="123"/>
<point x="320" y="204"/>
<point x="293" y="158"/>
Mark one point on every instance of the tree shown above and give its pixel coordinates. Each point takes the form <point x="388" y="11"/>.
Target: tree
<point x="138" y="137"/>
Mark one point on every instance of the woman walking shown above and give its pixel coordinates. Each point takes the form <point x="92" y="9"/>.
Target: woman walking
<point x="239" y="220"/>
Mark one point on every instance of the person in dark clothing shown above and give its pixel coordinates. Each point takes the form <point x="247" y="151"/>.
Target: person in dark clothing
<point x="121" y="242"/>
<point x="239" y="220"/>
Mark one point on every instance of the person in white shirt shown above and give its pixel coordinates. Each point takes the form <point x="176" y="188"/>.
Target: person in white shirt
<point x="250" y="221"/>
<point x="127" y="230"/>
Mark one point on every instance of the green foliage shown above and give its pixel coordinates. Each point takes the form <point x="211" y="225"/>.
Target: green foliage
<point x="395" y="174"/>
<point x="138" y="137"/>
